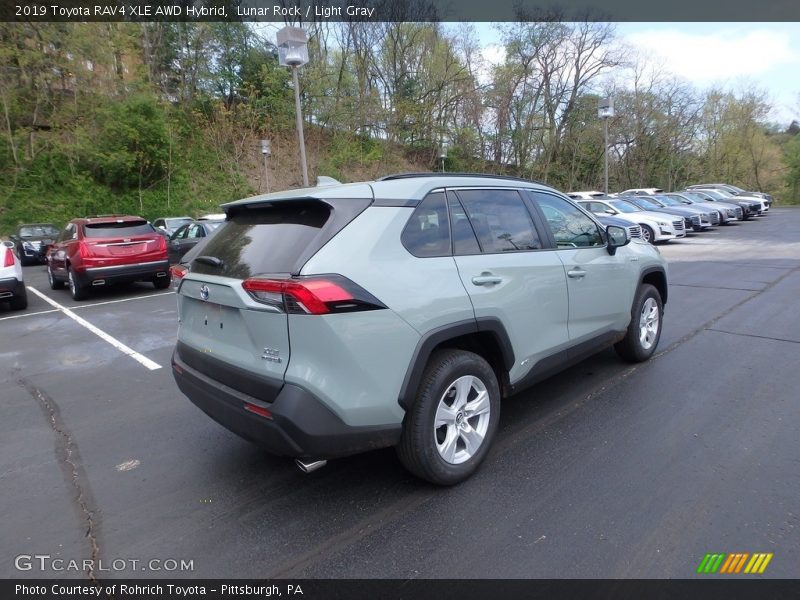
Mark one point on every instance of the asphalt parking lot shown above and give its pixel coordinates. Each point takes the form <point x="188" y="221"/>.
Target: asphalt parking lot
<point x="606" y="470"/>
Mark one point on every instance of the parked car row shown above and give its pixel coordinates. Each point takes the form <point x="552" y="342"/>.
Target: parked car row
<point x="663" y="216"/>
<point x="100" y="251"/>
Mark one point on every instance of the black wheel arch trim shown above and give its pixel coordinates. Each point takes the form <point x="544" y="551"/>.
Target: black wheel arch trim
<point x="429" y="341"/>
<point x="663" y="273"/>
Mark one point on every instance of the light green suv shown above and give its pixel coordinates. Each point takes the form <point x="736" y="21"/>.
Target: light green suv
<point x="328" y="321"/>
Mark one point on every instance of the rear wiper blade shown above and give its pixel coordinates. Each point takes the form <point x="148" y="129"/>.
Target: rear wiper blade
<point x="210" y="260"/>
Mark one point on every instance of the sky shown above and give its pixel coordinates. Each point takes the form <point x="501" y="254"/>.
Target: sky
<point x="705" y="54"/>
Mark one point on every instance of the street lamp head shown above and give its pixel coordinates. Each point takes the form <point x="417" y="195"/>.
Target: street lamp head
<point x="292" y="46"/>
<point x="605" y="108"/>
<point x="266" y="147"/>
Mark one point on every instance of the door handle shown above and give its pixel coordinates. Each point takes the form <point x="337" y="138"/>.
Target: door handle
<point x="486" y="278"/>
<point x="576" y="273"/>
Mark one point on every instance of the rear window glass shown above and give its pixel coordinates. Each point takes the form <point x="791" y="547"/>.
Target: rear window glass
<point x="264" y="240"/>
<point x="126" y="228"/>
<point x="38" y="230"/>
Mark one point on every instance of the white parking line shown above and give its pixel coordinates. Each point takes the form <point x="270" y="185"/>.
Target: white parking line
<point x="44" y="312"/>
<point x="141" y="359"/>
<point x="41" y="312"/>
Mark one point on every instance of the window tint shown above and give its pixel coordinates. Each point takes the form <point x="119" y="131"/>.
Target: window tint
<point x="176" y="222"/>
<point x="571" y="228"/>
<point x="195" y="231"/>
<point x="500" y="220"/>
<point x="427" y="232"/>
<point x="180" y="233"/>
<point x="38" y="230"/>
<point x="126" y="228"/>
<point x="596" y="207"/>
<point x="464" y="240"/>
<point x="265" y="240"/>
<point x="66" y="233"/>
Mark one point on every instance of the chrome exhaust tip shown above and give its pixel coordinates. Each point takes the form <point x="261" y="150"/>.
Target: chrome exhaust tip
<point x="309" y="466"/>
<point x="99" y="282"/>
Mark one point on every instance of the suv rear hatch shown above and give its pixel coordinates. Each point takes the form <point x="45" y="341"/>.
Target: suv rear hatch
<point x="124" y="241"/>
<point x="236" y="331"/>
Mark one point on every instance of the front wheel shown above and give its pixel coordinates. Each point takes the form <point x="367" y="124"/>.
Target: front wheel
<point x="449" y="429"/>
<point x="644" y="330"/>
<point x="55" y="284"/>
<point x="647" y="234"/>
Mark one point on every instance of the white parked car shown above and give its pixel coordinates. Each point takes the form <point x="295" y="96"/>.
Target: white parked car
<point x="650" y="191"/>
<point x="656" y="226"/>
<point x="586" y="195"/>
<point x="728" y="197"/>
<point x="12" y="286"/>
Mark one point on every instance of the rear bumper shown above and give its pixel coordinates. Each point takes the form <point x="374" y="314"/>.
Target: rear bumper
<point x="11" y="287"/>
<point x="125" y="273"/>
<point x="300" y="426"/>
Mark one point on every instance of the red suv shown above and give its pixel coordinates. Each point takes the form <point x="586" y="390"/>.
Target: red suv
<point x="101" y="251"/>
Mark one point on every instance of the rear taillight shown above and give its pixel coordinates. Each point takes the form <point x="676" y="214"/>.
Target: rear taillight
<point x="177" y="272"/>
<point x="315" y="295"/>
<point x="84" y="250"/>
<point x="8" y="261"/>
<point x="162" y="243"/>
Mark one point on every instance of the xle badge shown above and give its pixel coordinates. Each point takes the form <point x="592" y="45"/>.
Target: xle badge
<point x="271" y="354"/>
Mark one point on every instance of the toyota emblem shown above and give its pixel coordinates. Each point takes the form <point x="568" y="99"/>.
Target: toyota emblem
<point x="204" y="292"/>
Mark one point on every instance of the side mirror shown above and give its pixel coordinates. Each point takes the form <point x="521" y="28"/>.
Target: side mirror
<point x="617" y="237"/>
<point x="610" y="211"/>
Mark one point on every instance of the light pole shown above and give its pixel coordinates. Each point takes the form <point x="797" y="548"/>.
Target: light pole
<point x="293" y="53"/>
<point x="266" y="151"/>
<point x="605" y="110"/>
<point x="443" y="154"/>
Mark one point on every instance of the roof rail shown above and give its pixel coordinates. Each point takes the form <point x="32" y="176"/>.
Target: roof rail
<point x="432" y="174"/>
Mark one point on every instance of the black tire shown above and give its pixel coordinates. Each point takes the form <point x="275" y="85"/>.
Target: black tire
<point x="77" y="289"/>
<point x="632" y="348"/>
<point x="161" y="283"/>
<point x="55" y="284"/>
<point x="20" y="302"/>
<point x="647" y="234"/>
<point x="419" y="443"/>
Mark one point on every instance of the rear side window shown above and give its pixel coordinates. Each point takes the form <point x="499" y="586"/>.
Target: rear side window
<point x="126" y="228"/>
<point x="427" y="232"/>
<point x="264" y="240"/>
<point x="500" y="220"/>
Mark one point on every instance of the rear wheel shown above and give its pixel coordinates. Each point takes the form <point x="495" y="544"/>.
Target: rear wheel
<point x="55" y="284"/>
<point x="77" y="290"/>
<point x="647" y="234"/>
<point x="449" y="429"/>
<point x="161" y="283"/>
<point x="644" y="330"/>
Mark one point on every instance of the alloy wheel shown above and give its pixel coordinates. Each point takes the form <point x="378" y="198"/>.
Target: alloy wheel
<point x="462" y="419"/>
<point x="649" y="321"/>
